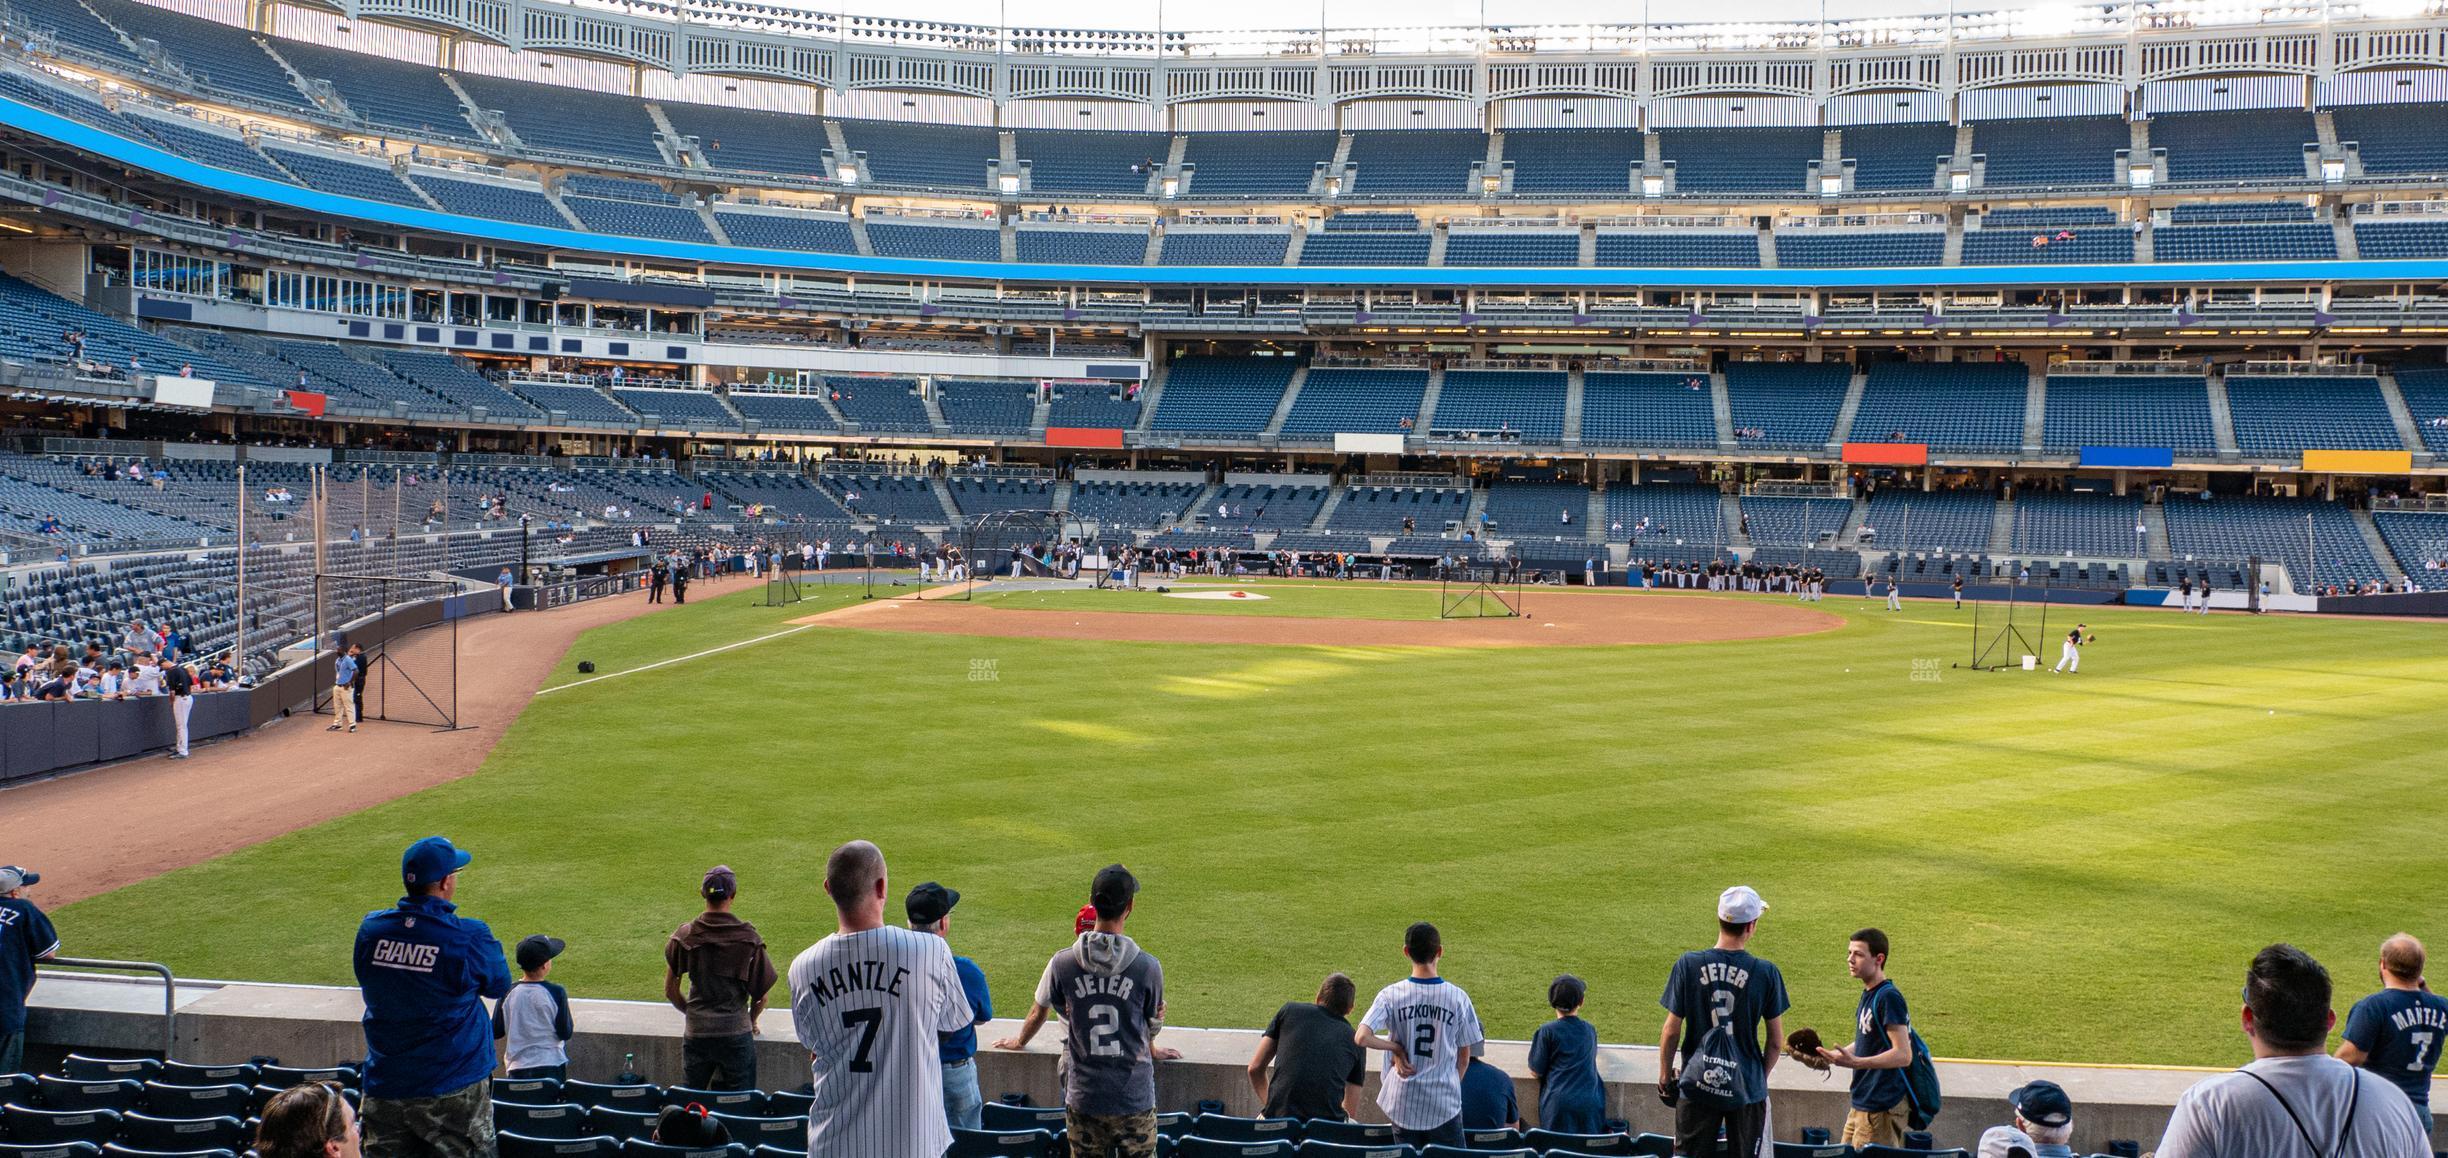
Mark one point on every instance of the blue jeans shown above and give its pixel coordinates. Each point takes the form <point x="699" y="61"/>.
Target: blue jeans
<point x="963" y="1104"/>
<point x="12" y="1052"/>
<point x="719" y="1063"/>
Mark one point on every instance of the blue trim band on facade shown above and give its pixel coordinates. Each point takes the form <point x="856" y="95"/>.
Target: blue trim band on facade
<point x="78" y="135"/>
<point x="2128" y="456"/>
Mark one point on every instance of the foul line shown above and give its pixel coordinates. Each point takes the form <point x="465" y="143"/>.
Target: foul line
<point x="671" y="661"/>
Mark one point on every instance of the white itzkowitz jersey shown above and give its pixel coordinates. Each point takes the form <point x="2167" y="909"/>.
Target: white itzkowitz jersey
<point x="868" y="1006"/>
<point x="1433" y="1021"/>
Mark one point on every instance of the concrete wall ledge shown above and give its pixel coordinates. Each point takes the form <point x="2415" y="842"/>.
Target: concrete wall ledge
<point x="318" y="1025"/>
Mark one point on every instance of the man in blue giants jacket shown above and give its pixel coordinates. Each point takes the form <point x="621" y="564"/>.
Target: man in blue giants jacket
<point x="424" y="970"/>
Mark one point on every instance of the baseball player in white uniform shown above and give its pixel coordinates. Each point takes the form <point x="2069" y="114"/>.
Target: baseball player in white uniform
<point x="1894" y="603"/>
<point x="1427" y="1026"/>
<point x="2069" y="659"/>
<point x="868" y="1002"/>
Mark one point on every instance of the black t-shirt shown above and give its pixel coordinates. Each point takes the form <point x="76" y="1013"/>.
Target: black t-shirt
<point x="1315" y="1057"/>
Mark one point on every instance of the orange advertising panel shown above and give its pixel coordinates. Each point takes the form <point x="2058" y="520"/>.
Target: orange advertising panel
<point x="1887" y="453"/>
<point x="1084" y="436"/>
<point x="2358" y="461"/>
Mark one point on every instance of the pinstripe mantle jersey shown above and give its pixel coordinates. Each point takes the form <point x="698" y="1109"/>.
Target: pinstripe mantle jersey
<point x="868" y="1007"/>
<point x="1434" y="1020"/>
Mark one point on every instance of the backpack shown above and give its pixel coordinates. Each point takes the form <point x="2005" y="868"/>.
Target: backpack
<point x="1920" y="1083"/>
<point x="1714" y="1075"/>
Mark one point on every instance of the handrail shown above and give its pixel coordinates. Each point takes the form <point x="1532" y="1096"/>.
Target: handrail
<point x="169" y="990"/>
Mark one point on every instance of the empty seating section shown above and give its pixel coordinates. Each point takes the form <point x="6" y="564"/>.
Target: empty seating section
<point x="1530" y="403"/>
<point x="1899" y="157"/>
<point x="617" y="188"/>
<point x="2317" y="541"/>
<point x="898" y="498"/>
<point x="1687" y="513"/>
<point x="73" y="103"/>
<point x="2036" y="237"/>
<point x="1693" y="249"/>
<point x="2240" y="145"/>
<point x="1066" y="161"/>
<point x="334" y="370"/>
<point x="941" y="156"/>
<point x="217" y="56"/>
<point x="383" y="93"/>
<point x="787" y="231"/>
<point x="1573" y="160"/>
<point x="2384" y="238"/>
<point x="2141" y="410"/>
<point x="200" y="144"/>
<point x="1381" y="510"/>
<point x="791" y="144"/>
<point x="1792" y="404"/>
<point x="695" y="409"/>
<point x="1087" y="406"/>
<point x="2213" y="211"/>
<point x="2052" y="216"/>
<point x="522" y="204"/>
<point x="2420" y="543"/>
<point x="2284" y="416"/>
<point x="1788" y="522"/>
<point x="2094" y="525"/>
<point x="1081" y="246"/>
<point x="1219" y="395"/>
<point x="1226" y="247"/>
<point x="639" y="219"/>
<point x="1367" y="239"/>
<point x="1853" y="248"/>
<point x="1355" y="401"/>
<point x="879" y="403"/>
<point x="784" y="411"/>
<point x="2304" y="241"/>
<point x="986" y="406"/>
<point x="2395" y="139"/>
<point x="241" y="353"/>
<point x="2426" y="399"/>
<point x="1135" y="505"/>
<point x="1772" y="160"/>
<point x="1963" y="406"/>
<point x="1433" y="162"/>
<point x="580" y="403"/>
<point x="35" y="489"/>
<point x="456" y="381"/>
<point x="32" y="320"/>
<point x="944" y="242"/>
<point x="568" y="120"/>
<point x="788" y="494"/>
<point x="2050" y="152"/>
<point x="978" y="496"/>
<point x="1646" y="410"/>
<point x="1909" y="520"/>
<point x="1255" y="164"/>
<point x="1266" y="506"/>
<point x="349" y="178"/>
<point x="1512" y="247"/>
<point x="74" y="26"/>
<point x="1526" y="510"/>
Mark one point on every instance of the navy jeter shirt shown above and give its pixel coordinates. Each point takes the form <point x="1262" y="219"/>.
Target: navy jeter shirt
<point x="26" y="936"/>
<point x="2400" y="1031"/>
<point x="1709" y="986"/>
<point x="1876" y="1090"/>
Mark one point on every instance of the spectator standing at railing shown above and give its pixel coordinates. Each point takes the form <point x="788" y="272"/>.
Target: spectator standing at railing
<point x="423" y="970"/>
<point x="26" y="936"/>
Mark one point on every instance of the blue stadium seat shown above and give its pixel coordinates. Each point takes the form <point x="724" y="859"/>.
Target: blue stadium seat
<point x="1646" y="410"/>
<point x="1367" y="239"/>
<point x="1338" y="400"/>
<point x="1553" y="1142"/>
<point x="772" y="1151"/>
<point x="1001" y="1117"/>
<point x="924" y="155"/>
<point x="1877" y="1151"/>
<point x="907" y="238"/>
<point x="2280" y="241"/>
<point x="1898" y="157"/>
<point x="2081" y="524"/>
<point x="624" y="1124"/>
<point x="30" y="1126"/>
<point x="2007" y="236"/>
<point x="2287" y="415"/>
<point x="528" y="1091"/>
<point x="1506" y="1139"/>
<point x="1573" y="160"/>
<point x="77" y="1067"/>
<point x="789" y="1103"/>
<point x="331" y="173"/>
<point x="1317" y="1149"/>
<point x="199" y="1074"/>
<point x="1217" y="394"/>
<point x="60" y="1093"/>
<point x="516" y="203"/>
<point x="1678" y="248"/>
<point x="50" y="1150"/>
<point x="2061" y="152"/>
<point x="516" y="1145"/>
<point x="1853" y="248"/>
<point x="1793" y="522"/>
<point x="778" y="230"/>
<point x="1958" y="406"/>
<point x="639" y="219"/>
<point x="1802" y="1150"/>
<point x="2133" y="410"/>
<point x="641" y="1149"/>
<point x="217" y="57"/>
<point x="1254" y="164"/>
<point x="1791" y="404"/>
<point x="383" y="93"/>
<point x="576" y="121"/>
<point x="116" y="1150"/>
<point x="746" y="1103"/>
<point x="1347" y="1133"/>
<point x="2383" y="238"/>
<point x="1956" y="520"/>
<point x="1001" y="1144"/>
<point x="1227" y="1128"/>
<point x="1760" y="160"/>
<point x="1080" y="245"/>
<point x="1512" y="247"/>
<point x="146" y="1132"/>
<point x="1223" y="246"/>
<point x="1531" y="402"/>
<point x="1077" y="161"/>
<point x="541" y="1121"/>
<point x="1475" y="1152"/>
<point x="785" y="1133"/>
<point x="2235" y="146"/>
<point x="1197" y="1147"/>
<point x="2409" y="138"/>
<point x="2234" y="527"/>
<point x="1431" y="161"/>
<point x="791" y="144"/>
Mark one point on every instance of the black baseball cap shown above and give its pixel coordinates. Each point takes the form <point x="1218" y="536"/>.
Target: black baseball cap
<point x="1112" y="890"/>
<point x="2042" y="1103"/>
<point x="538" y="949"/>
<point x="929" y="902"/>
<point x="720" y="882"/>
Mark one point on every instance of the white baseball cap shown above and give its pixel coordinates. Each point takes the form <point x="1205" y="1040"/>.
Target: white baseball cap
<point x="1740" y="904"/>
<point x="2007" y="1142"/>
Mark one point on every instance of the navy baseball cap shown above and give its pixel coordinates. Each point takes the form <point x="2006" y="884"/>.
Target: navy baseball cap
<point x="15" y="877"/>
<point x="429" y="861"/>
<point x="538" y="949"/>
<point x="2043" y="1104"/>
<point x="929" y="902"/>
<point x="1113" y="889"/>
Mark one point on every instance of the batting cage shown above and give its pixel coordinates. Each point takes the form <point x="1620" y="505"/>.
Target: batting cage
<point x="1480" y="589"/>
<point x="1016" y="544"/>
<point x="2006" y="634"/>
<point x="408" y="626"/>
<point x="782" y="579"/>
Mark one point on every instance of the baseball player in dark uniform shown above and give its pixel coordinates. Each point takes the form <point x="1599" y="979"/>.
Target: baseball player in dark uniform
<point x="2069" y="660"/>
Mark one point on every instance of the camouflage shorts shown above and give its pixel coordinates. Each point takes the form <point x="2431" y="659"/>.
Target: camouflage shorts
<point x="1123" y="1136"/>
<point x="456" y="1125"/>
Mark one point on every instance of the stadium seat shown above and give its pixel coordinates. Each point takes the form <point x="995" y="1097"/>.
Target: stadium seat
<point x="1316" y="1149"/>
<point x="1556" y="1142"/>
<point x="163" y="1100"/>
<point x="1000" y="1117"/>
<point x="770" y="1150"/>
<point x="1001" y="1144"/>
<point x="599" y="1095"/>
<point x="77" y="1067"/>
<point x="1652" y="1145"/>
<point x="789" y="1103"/>
<point x="1459" y="1152"/>
<point x="283" y="1077"/>
<point x="60" y="1093"/>
<point x="115" y="1150"/>
<point x="745" y="1103"/>
<point x="1226" y="1128"/>
<point x="785" y="1133"/>
<point x="1876" y="1151"/>
<point x="624" y="1124"/>
<point x="24" y="1124"/>
<point x="147" y="1132"/>
<point x="1506" y="1139"/>
<point x="637" y="1149"/>
<point x="1803" y="1150"/>
<point x="535" y="1121"/>
<point x="1348" y="1133"/>
<point x="1177" y="1124"/>
<point x="1197" y="1147"/>
<point x="529" y="1091"/>
<point x="514" y="1145"/>
<point x="20" y="1088"/>
<point x="49" y="1150"/>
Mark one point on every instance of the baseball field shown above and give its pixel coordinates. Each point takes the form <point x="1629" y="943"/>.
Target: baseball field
<point x="2072" y="868"/>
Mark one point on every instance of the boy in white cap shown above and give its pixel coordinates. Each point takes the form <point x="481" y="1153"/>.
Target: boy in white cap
<point x="1715" y="1000"/>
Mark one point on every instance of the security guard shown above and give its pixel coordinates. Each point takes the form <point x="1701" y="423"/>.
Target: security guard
<point x="423" y="970"/>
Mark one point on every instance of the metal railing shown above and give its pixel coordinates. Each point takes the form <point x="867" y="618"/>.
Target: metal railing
<point x="169" y="990"/>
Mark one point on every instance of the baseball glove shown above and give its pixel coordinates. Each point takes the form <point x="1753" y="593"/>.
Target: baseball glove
<point x="1803" y="1046"/>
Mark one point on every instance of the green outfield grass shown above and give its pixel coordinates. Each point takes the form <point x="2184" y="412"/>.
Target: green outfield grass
<point x="1317" y="599"/>
<point x="2072" y="868"/>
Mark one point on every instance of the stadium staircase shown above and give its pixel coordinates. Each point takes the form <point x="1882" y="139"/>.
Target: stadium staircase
<point x="1007" y="238"/>
<point x="2402" y="415"/>
<point x="705" y="213"/>
<point x="671" y="140"/>
<point x="2001" y="528"/>
<point x="1428" y="400"/>
<point x="1588" y="257"/>
<point x="324" y="95"/>
<point x="1573" y="394"/>
<point x="1300" y="237"/>
<point x="1150" y="396"/>
<point x="2035" y="411"/>
<point x="1007" y="160"/>
<point x="2222" y="420"/>
<point x="1850" y="530"/>
<point x="2146" y="243"/>
<point x="1730" y="516"/>
<point x="1767" y="248"/>
<point x="1061" y="498"/>
<point x="1472" y="514"/>
<point x="1953" y="253"/>
<point x="1844" y="416"/>
<point x="1039" y="411"/>
<point x="2379" y="546"/>
<point x="2347" y="248"/>
<point x="835" y="411"/>
<point x="1339" y="167"/>
<point x="1721" y="408"/>
<point x="858" y="235"/>
<point x="1326" y="510"/>
<point x="1155" y="245"/>
<point x="837" y="147"/>
<point x="2154" y="520"/>
<point x="480" y="119"/>
<point x="1205" y="502"/>
<point x="553" y="195"/>
<point x="1283" y="406"/>
<point x="1436" y="244"/>
<point x="1594" y="518"/>
<point x="1176" y="151"/>
<point x="934" y="411"/>
<point x="943" y="496"/>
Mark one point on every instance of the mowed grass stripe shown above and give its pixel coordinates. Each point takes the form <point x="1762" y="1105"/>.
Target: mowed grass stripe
<point x="2072" y="868"/>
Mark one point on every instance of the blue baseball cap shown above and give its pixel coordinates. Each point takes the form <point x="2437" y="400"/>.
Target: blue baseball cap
<point x="2043" y="1104"/>
<point x="430" y="860"/>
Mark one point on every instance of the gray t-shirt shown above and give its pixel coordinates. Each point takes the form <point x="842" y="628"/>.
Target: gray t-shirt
<point x="1109" y="994"/>
<point x="2233" y="1116"/>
